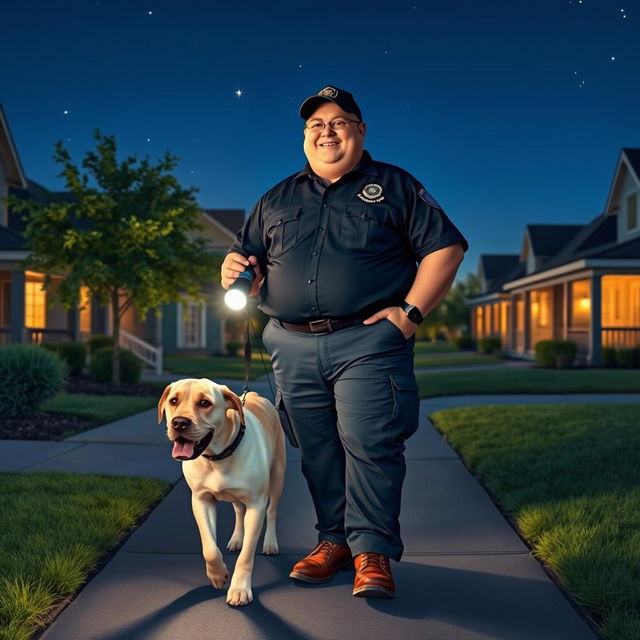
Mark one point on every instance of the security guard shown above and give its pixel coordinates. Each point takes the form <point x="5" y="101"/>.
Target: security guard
<point x="350" y="254"/>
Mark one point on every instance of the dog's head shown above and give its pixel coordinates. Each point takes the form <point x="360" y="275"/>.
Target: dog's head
<point x="196" y="411"/>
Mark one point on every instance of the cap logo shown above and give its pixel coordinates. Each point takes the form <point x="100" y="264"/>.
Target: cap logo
<point x="371" y="193"/>
<point x="328" y="92"/>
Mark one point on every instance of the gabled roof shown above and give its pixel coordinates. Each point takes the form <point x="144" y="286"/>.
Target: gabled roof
<point x="15" y="174"/>
<point x="629" y="160"/>
<point x="230" y="219"/>
<point x="11" y="240"/>
<point x="599" y="234"/>
<point x="495" y="265"/>
<point x="548" y="239"/>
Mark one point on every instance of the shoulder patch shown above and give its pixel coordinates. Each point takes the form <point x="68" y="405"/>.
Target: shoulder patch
<point x="428" y="198"/>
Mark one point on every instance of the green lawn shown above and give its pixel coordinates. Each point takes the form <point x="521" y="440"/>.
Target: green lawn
<point x="459" y="359"/>
<point x="54" y="528"/>
<point x="103" y="409"/>
<point x="529" y="381"/>
<point x="569" y="476"/>
<point x="423" y="346"/>
<point x="215" y="367"/>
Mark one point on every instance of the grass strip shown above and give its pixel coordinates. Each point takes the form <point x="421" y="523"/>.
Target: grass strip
<point x="216" y="367"/>
<point x="454" y="360"/>
<point x="54" y="528"/>
<point x="101" y="408"/>
<point x="568" y="474"/>
<point x="424" y="346"/>
<point x="532" y="380"/>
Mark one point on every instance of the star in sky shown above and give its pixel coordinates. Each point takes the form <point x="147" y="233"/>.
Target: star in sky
<point x="239" y="92"/>
<point x="66" y="112"/>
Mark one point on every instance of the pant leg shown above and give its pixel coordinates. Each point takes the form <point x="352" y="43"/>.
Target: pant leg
<point x="377" y="405"/>
<point x="309" y="402"/>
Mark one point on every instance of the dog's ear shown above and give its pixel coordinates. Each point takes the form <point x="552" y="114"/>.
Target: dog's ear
<point x="165" y="395"/>
<point x="233" y="400"/>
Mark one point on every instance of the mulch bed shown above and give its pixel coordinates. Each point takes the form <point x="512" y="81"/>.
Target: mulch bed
<point x="55" y="426"/>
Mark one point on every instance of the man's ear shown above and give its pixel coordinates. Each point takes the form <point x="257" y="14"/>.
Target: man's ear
<point x="165" y="395"/>
<point x="233" y="401"/>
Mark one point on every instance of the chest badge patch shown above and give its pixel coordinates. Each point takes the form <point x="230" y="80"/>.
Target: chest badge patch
<point x="371" y="193"/>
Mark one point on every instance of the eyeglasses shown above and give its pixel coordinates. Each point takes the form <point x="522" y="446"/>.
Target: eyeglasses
<point x="336" y="125"/>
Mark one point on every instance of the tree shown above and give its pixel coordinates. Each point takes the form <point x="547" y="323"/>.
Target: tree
<point x="455" y="312"/>
<point x="126" y="234"/>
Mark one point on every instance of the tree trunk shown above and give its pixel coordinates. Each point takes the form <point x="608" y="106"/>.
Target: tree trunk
<point x="115" y="362"/>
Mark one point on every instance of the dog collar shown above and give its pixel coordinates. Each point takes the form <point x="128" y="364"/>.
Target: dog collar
<point x="231" y="448"/>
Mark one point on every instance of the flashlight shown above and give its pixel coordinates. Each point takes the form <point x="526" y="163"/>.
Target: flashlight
<point x="236" y="296"/>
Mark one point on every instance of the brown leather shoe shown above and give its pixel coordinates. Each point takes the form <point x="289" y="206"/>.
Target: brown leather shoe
<point x="373" y="577"/>
<point x="322" y="563"/>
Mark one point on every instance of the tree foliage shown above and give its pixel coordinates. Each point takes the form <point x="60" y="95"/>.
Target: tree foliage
<point x="126" y="232"/>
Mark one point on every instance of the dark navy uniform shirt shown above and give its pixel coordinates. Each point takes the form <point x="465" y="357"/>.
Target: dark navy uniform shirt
<point x="342" y="249"/>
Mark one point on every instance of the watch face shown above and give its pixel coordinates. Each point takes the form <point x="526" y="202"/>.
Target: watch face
<point x="414" y="315"/>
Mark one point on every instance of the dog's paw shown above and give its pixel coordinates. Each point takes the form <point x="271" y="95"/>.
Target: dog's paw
<point x="239" y="597"/>
<point x="218" y="576"/>
<point x="270" y="548"/>
<point x="235" y="543"/>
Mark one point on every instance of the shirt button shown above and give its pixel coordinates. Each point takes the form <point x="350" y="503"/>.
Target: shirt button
<point x="319" y="228"/>
<point x="279" y="221"/>
<point x="324" y="206"/>
<point x="314" y="253"/>
<point x="314" y="308"/>
<point x="309" y="281"/>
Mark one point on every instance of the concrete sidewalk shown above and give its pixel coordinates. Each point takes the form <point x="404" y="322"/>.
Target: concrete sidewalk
<point x="465" y="573"/>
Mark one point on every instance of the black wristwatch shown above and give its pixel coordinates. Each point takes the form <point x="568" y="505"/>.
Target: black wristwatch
<point x="413" y="313"/>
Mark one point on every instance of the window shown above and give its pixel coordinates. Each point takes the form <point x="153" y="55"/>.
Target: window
<point x="35" y="305"/>
<point x="85" y="311"/>
<point x="191" y="325"/>
<point x="621" y="301"/>
<point x="632" y="212"/>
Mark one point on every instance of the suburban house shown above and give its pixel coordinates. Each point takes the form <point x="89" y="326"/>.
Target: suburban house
<point x="569" y="282"/>
<point x="26" y="316"/>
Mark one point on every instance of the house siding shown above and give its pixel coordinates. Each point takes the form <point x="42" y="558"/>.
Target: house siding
<point x="628" y="186"/>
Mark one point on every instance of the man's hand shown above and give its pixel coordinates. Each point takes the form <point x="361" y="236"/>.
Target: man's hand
<point x="233" y="265"/>
<point x="396" y="316"/>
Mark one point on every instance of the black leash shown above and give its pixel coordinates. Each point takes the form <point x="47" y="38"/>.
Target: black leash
<point x="248" y="360"/>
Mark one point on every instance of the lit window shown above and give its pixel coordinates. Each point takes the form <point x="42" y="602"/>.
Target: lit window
<point x="35" y="305"/>
<point x="580" y="304"/>
<point x="85" y="311"/>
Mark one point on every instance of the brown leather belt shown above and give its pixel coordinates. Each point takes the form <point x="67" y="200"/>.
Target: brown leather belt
<point x="326" y="325"/>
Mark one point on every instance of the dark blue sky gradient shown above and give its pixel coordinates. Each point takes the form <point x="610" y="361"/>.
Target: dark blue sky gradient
<point x="484" y="102"/>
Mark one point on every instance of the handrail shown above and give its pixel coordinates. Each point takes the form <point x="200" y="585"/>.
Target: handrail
<point x="146" y="352"/>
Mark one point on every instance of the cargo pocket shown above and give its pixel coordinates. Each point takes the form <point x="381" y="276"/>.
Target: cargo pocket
<point x="282" y="230"/>
<point x="285" y="422"/>
<point x="363" y="228"/>
<point x="406" y="406"/>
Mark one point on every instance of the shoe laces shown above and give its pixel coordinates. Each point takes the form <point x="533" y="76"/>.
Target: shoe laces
<point x="324" y="546"/>
<point x="378" y="559"/>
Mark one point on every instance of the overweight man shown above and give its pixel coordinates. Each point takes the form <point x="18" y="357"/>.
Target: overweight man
<point x="350" y="254"/>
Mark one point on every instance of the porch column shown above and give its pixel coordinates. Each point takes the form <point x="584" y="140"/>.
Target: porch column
<point x="595" y="321"/>
<point x="527" y="321"/>
<point x="566" y="305"/>
<point x="18" y="331"/>
<point x="512" y="323"/>
<point x="73" y="323"/>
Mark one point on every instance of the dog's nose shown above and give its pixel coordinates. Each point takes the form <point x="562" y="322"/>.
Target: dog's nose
<point x="180" y="423"/>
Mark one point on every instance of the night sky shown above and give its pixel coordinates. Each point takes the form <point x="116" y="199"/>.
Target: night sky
<point x="509" y="112"/>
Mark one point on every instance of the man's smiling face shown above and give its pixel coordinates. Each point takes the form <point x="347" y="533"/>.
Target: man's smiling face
<point x="332" y="153"/>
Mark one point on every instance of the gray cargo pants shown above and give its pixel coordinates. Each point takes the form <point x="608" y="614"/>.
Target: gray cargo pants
<point x="352" y="399"/>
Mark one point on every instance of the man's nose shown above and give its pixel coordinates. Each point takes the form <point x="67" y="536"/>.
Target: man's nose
<point x="180" y="423"/>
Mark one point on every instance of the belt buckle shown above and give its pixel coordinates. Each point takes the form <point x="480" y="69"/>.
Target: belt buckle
<point x="321" y="326"/>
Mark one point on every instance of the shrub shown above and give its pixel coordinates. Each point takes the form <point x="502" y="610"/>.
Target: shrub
<point x="100" y="368"/>
<point x="465" y="342"/>
<point x="555" y="353"/>
<point x="626" y="358"/>
<point x="608" y="357"/>
<point x="99" y="342"/>
<point x="30" y="376"/>
<point x="489" y="344"/>
<point x="233" y="347"/>
<point x="74" y="354"/>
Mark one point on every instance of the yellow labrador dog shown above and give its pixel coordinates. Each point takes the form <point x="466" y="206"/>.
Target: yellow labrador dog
<point x="232" y="453"/>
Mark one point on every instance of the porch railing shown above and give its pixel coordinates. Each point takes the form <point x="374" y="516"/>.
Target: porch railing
<point x="621" y="337"/>
<point x="143" y="350"/>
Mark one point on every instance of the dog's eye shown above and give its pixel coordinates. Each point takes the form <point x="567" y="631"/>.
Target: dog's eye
<point x="204" y="403"/>
<point x="173" y="401"/>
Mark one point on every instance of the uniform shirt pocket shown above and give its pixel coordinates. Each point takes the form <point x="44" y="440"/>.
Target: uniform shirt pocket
<point x="282" y="230"/>
<point x="364" y="227"/>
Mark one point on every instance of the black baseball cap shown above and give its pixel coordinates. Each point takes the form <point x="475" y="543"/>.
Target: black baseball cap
<point x="330" y="94"/>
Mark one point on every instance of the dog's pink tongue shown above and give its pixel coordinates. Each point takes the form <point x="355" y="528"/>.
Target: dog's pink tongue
<point x="183" y="449"/>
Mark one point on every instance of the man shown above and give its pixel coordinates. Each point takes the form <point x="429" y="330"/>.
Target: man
<point x="349" y="255"/>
